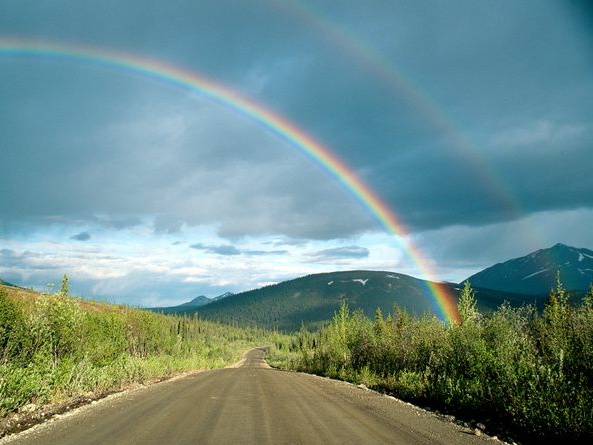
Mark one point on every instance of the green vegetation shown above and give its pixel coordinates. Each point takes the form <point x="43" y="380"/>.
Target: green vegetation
<point x="526" y="370"/>
<point x="313" y="299"/>
<point x="54" y="347"/>
<point x="522" y="368"/>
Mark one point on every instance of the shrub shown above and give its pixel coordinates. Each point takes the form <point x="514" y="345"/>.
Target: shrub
<point x="530" y="371"/>
<point x="12" y="329"/>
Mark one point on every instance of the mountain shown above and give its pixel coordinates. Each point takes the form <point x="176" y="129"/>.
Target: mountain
<point x="200" y="300"/>
<point x="535" y="274"/>
<point x="220" y="297"/>
<point x="312" y="300"/>
<point x="190" y="306"/>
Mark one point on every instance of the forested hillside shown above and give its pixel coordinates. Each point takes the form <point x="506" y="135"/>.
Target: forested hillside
<point x="312" y="300"/>
<point x="55" y="347"/>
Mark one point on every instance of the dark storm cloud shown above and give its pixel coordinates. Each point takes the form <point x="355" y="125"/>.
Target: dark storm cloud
<point x="82" y="236"/>
<point x="443" y="118"/>
<point x="246" y="181"/>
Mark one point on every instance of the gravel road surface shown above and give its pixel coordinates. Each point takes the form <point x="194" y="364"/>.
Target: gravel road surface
<point x="250" y="404"/>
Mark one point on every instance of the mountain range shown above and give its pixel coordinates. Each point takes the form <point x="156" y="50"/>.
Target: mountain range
<point x="313" y="299"/>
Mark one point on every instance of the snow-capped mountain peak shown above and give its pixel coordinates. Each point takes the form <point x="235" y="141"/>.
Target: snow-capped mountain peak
<point x="536" y="273"/>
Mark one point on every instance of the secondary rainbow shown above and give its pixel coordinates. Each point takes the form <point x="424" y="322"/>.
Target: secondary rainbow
<point x="394" y="81"/>
<point x="443" y="303"/>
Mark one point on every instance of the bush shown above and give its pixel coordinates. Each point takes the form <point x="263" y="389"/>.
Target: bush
<point x="12" y="329"/>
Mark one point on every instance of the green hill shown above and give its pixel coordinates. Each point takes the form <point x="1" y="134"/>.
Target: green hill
<point x="313" y="299"/>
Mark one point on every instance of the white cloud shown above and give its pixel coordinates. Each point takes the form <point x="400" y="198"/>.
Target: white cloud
<point x="137" y="266"/>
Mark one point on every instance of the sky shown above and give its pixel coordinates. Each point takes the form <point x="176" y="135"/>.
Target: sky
<point x="471" y="121"/>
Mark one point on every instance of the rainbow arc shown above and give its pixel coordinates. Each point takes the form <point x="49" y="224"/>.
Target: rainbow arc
<point x="443" y="302"/>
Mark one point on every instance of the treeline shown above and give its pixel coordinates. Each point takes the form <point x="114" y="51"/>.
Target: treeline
<point x="54" y="347"/>
<point x="526" y="370"/>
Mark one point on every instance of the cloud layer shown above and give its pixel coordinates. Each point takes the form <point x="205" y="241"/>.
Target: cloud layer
<point x="461" y="117"/>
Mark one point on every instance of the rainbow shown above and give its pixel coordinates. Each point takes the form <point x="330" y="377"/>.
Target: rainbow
<point x="443" y="303"/>
<point x="397" y="83"/>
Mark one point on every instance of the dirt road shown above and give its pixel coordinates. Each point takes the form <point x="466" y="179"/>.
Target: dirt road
<point x="251" y="404"/>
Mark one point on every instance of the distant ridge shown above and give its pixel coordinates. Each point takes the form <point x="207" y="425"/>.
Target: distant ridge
<point x="200" y="300"/>
<point x="535" y="274"/>
<point x="220" y="297"/>
<point x="197" y="302"/>
<point x="313" y="299"/>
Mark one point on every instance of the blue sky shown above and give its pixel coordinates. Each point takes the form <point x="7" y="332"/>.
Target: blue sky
<point x="472" y="120"/>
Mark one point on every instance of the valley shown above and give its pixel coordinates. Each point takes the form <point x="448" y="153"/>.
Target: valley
<point x="296" y="222"/>
<point x="312" y="300"/>
<point x="376" y="329"/>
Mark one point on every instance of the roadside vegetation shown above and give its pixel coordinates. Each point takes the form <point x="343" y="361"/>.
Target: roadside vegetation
<point x="56" y="347"/>
<point x="527" y="371"/>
